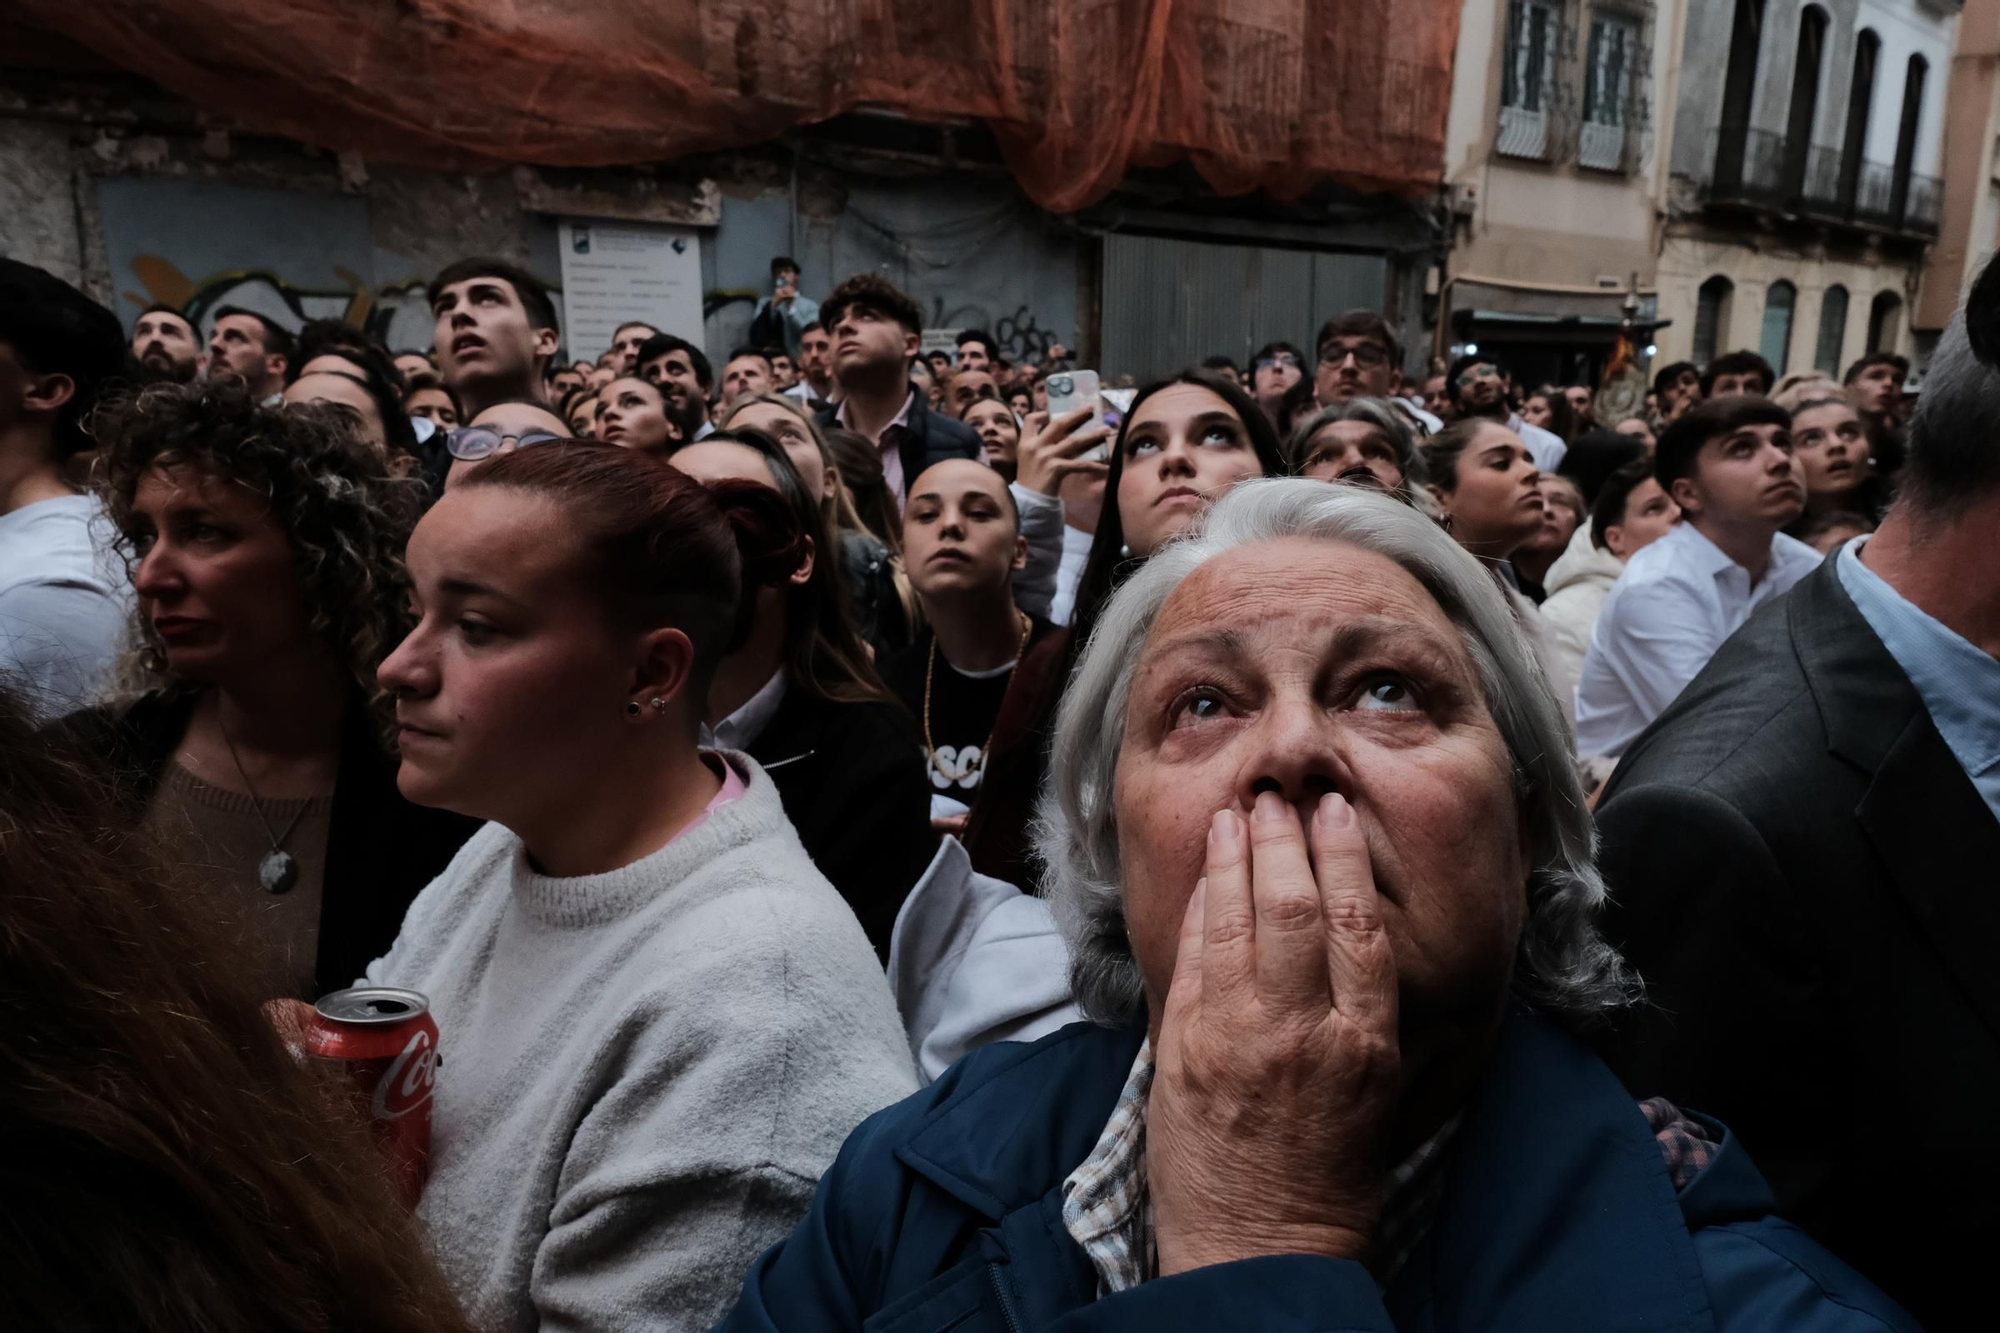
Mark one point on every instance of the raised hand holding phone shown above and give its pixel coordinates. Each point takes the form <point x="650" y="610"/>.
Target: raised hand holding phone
<point x="1055" y="446"/>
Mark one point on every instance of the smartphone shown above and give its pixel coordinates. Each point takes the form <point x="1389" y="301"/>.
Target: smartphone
<point x="1072" y="389"/>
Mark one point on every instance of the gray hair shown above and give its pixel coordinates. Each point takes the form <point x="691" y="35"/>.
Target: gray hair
<point x="1564" y="968"/>
<point x="1954" y="448"/>
<point x="1370" y="411"/>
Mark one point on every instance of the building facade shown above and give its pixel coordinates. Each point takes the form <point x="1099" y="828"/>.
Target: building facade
<point x="1971" y="225"/>
<point x="1556" y="154"/>
<point x="1803" y="188"/>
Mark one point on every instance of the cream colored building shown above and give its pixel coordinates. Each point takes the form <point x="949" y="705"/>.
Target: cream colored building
<point x="1766" y="172"/>
<point x="1803" y="189"/>
<point x="1556" y="153"/>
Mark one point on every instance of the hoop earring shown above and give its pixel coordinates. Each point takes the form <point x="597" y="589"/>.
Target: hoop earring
<point x="631" y="709"/>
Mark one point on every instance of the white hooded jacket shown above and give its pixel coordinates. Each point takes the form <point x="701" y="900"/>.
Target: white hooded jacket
<point x="1578" y="583"/>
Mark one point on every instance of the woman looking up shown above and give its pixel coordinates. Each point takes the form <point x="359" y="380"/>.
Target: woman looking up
<point x="632" y="413"/>
<point x="662" y="1018"/>
<point x="266" y="551"/>
<point x="1183" y="444"/>
<point x="1326" y="876"/>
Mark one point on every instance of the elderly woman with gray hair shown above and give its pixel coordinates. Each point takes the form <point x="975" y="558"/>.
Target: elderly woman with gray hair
<point x="1327" y="878"/>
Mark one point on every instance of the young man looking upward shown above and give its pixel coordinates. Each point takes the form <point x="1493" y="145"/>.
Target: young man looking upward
<point x="1729" y="466"/>
<point x="876" y="333"/>
<point x="495" y="328"/>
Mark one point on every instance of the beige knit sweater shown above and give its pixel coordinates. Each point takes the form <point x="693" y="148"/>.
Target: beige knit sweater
<point x="642" y="1073"/>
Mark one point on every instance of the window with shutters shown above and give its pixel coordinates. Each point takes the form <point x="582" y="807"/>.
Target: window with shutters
<point x="1711" y="317"/>
<point x="1527" y="78"/>
<point x="1832" y="330"/>
<point x="1776" y="343"/>
<point x="1608" y="79"/>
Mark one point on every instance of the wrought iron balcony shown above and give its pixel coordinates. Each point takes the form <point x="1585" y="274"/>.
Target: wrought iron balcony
<point x="1764" y="170"/>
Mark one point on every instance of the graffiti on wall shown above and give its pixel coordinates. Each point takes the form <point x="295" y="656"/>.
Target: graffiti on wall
<point x="379" y="310"/>
<point x="395" y="312"/>
<point x="1020" y="336"/>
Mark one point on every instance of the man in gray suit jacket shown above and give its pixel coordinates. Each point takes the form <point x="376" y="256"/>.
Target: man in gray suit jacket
<point x="1804" y="858"/>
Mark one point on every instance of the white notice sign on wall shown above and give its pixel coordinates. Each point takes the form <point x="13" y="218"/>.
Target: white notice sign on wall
<point x="617" y="272"/>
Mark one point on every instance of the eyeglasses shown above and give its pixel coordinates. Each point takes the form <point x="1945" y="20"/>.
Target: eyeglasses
<point x="1279" y="359"/>
<point x="471" y="443"/>
<point x="1366" y="355"/>
<point x="1481" y="371"/>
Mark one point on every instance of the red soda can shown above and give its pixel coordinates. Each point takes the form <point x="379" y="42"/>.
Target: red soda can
<point x="389" y="1042"/>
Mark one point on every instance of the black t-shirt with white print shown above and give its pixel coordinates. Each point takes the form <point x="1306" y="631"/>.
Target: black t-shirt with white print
<point x="964" y="706"/>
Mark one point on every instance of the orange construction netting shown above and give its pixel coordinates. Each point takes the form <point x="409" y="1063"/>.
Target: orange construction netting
<point x="1277" y="94"/>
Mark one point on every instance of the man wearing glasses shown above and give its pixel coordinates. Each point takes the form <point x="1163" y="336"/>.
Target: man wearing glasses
<point x="1479" y="388"/>
<point x="1359" y="357"/>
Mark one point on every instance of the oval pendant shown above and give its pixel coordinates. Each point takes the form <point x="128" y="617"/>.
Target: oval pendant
<point x="277" y="872"/>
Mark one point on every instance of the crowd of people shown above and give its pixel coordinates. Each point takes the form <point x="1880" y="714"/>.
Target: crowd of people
<point x="1324" y="842"/>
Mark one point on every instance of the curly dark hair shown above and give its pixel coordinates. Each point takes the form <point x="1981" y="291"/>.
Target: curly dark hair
<point x="345" y="514"/>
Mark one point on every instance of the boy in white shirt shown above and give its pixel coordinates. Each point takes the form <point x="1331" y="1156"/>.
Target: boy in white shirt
<point x="1729" y="465"/>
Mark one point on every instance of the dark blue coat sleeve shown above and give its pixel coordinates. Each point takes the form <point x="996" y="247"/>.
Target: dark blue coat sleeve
<point x="1768" y="1276"/>
<point x="1280" y="1294"/>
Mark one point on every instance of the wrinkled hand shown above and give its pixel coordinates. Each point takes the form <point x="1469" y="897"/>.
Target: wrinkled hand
<point x="1052" y="450"/>
<point x="1277" y="1065"/>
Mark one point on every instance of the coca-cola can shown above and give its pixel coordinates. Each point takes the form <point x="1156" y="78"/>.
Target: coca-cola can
<point x="389" y="1042"/>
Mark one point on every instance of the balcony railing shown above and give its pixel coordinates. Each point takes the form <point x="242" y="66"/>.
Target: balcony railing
<point x="1765" y="170"/>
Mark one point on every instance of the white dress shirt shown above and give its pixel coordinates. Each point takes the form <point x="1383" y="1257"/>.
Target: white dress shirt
<point x="1676" y="602"/>
<point x="740" y="730"/>
<point x="1544" y="446"/>
<point x="1075" y="555"/>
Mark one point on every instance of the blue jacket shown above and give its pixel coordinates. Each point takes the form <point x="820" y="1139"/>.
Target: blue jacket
<point x="945" y="1212"/>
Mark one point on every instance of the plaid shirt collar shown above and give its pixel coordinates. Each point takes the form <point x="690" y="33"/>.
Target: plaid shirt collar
<point x="1107" y="1210"/>
<point x="1109" y="1213"/>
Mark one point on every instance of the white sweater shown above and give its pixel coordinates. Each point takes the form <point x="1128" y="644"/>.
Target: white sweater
<point x="642" y="1073"/>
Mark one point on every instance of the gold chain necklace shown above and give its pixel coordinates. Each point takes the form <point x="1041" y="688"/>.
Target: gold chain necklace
<point x="930" y="672"/>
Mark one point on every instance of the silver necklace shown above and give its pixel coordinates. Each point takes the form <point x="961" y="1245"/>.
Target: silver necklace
<point x="279" y="870"/>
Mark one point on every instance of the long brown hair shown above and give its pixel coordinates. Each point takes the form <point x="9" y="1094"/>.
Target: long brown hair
<point x="173" y="1167"/>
